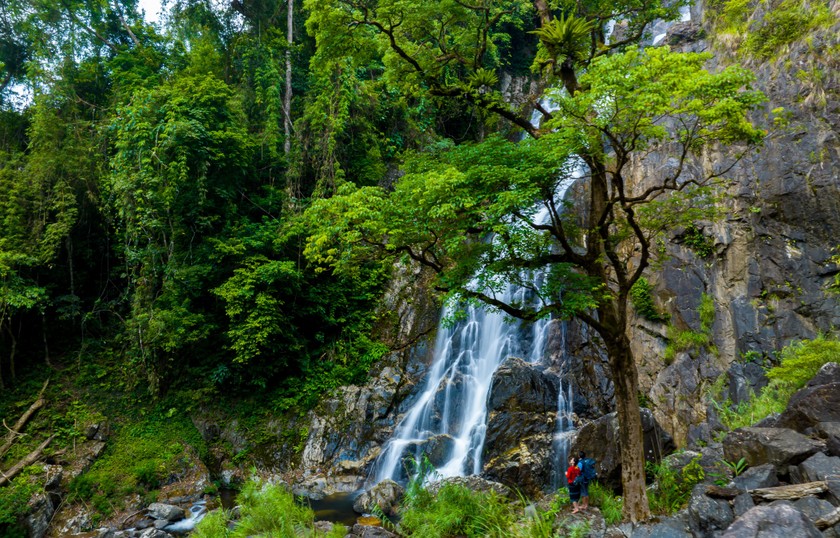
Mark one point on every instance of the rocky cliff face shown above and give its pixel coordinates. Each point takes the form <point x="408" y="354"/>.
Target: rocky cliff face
<point x="766" y="266"/>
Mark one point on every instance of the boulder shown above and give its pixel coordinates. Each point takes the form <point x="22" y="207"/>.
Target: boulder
<point x="166" y="512"/>
<point x="829" y="373"/>
<point x="813" y="507"/>
<point x="368" y="531"/>
<point x="473" y="483"/>
<point x="811" y="406"/>
<point x="385" y="495"/>
<point x="522" y="412"/>
<point x="820" y="467"/>
<point x="666" y="527"/>
<point x="830" y="433"/>
<point x="742" y="504"/>
<point x="708" y="516"/>
<point x="779" y="446"/>
<point x="745" y="380"/>
<point x="601" y="441"/>
<point x="762" y="476"/>
<point x="772" y="521"/>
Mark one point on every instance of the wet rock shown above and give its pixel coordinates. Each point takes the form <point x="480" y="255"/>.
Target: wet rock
<point x="368" y="531"/>
<point x="779" y="446"/>
<point x="155" y="533"/>
<point x="522" y="410"/>
<point x="600" y="440"/>
<point x="762" y="476"/>
<point x="772" y="521"/>
<point x="810" y="406"/>
<point x="385" y="495"/>
<point x="819" y="467"/>
<point x="473" y="483"/>
<point x="708" y="516"/>
<point x="167" y="512"/>
<point x="684" y="33"/>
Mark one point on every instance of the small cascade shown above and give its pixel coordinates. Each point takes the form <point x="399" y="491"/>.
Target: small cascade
<point x="196" y="513"/>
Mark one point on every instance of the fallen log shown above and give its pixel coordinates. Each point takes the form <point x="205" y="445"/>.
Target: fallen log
<point x="14" y="431"/>
<point x="828" y="520"/>
<point x="789" y="492"/>
<point x="32" y="457"/>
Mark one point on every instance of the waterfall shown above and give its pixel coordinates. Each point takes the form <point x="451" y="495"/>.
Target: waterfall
<point x="448" y="417"/>
<point x="447" y="421"/>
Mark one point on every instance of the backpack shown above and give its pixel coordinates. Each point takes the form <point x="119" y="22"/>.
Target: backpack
<point x="587" y="470"/>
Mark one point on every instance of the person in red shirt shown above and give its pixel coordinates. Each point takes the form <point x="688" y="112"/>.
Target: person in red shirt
<point x="574" y="485"/>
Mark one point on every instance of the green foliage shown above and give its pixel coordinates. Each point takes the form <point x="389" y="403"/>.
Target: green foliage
<point x="14" y="499"/>
<point x="800" y="361"/>
<point x="672" y="488"/>
<point x="265" y="510"/>
<point x="604" y="498"/>
<point x="641" y="294"/>
<point x="686" y="340"/>
<point x="139" y="458"/>
<point x="699" y="242"/>
<point x="457" y="511"/>
<point x="782" y="25"/>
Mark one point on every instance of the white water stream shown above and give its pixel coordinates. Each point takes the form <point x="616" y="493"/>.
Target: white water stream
<point x="448" y="418"/>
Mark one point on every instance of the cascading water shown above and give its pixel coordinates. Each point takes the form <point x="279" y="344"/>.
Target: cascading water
<point x="450" y="413"/>
<point x="448" y="418"/>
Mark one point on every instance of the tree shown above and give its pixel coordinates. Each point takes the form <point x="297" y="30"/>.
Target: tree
<point x="624" y="109"/>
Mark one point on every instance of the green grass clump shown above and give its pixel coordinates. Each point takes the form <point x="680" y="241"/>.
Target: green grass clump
<point x="604" y="498"/>
<point x="800" y="361"/>
<point x="457" y="511"/>
<point x="265" y="510"/>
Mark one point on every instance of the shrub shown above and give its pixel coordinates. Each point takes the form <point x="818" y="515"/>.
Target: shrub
<point x="687" y="339"/>
<point x="800" y="361"/>
<point x="672" y="489"/>
<point x="641" y="294"/>
<point x="789" y="22"/>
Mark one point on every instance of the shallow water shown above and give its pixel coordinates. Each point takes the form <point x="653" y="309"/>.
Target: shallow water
<point x="337" y="508"/>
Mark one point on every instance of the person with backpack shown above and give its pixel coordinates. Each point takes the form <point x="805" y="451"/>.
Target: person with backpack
<point x="587" y="475"/>
<point x="573" y="480"/>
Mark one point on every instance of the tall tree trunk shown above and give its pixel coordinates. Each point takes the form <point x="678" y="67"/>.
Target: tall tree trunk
<point x="12" y="351"/>
<point x="626" y="381"/>
<point x="44" y="336"/>
<point x="287" y="98"/>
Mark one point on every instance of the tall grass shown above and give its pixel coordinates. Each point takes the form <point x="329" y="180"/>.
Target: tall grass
<point x="265" y="510"/>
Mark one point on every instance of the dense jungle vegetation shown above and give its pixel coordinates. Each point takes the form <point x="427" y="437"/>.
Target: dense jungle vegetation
<point x="208" y="208"/>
